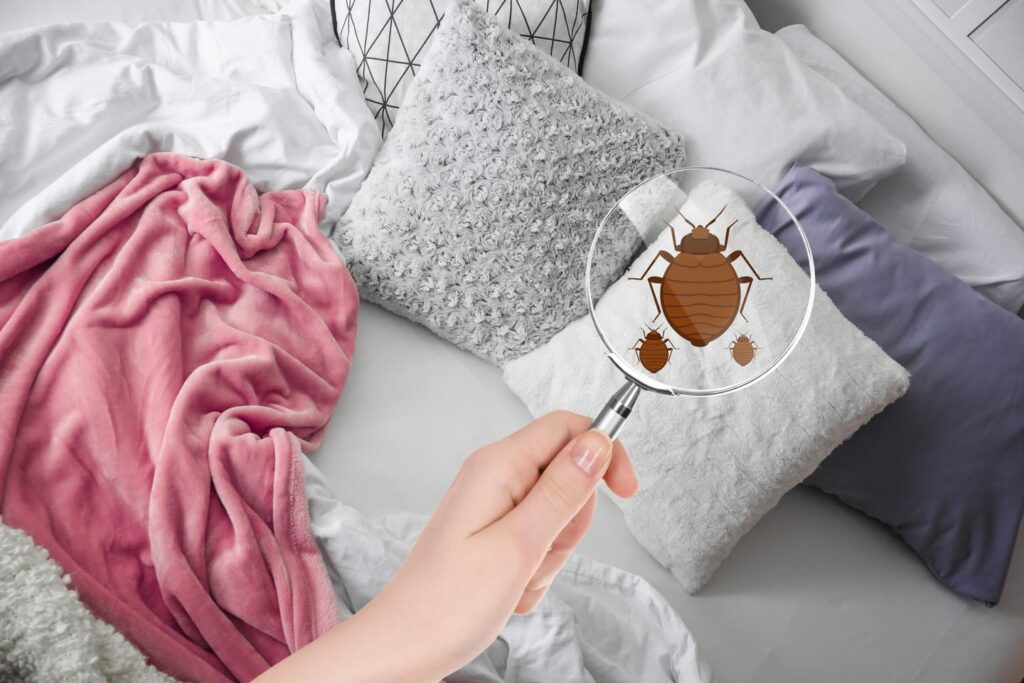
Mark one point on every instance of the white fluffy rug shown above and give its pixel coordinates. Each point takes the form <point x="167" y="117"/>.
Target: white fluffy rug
<point x="46" y="634"/>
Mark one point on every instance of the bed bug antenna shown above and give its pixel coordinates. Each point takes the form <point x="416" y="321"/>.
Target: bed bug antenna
<point x="720" y="211"/>
<point x="685" y="219"/>
<point x="672" y="229"/>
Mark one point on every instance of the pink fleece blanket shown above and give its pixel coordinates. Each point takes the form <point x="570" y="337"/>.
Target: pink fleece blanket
<point x="166" y="350"/>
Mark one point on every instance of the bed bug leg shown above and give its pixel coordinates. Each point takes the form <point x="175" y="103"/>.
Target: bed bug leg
<point x="749" y="282"/>
<point x="739" y="254"/>
<point x="651" y="281"/>
<point x="670" y="347"/>
<point x="661" y="254"/>
<point x="676" y="244"/>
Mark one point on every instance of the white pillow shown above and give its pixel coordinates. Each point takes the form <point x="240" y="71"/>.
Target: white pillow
<point x="709" y="468"/>
<point x="932" y="203"/>
<point x="743" y="100"/>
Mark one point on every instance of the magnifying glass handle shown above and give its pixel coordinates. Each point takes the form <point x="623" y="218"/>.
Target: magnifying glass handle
<point x="613" y="416"/>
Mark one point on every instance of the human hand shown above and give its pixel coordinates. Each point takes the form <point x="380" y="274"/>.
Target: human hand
<point x="510" y="520"/>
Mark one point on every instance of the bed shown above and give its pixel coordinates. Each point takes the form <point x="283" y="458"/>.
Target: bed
<point x="816" y="591"/>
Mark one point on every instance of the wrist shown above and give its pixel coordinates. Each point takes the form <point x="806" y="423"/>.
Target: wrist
<point x="386" y="641"/>
<point x="369" y="647"/>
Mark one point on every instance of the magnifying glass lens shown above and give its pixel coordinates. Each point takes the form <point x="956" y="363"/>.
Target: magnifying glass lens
<point x="714" y="303"/>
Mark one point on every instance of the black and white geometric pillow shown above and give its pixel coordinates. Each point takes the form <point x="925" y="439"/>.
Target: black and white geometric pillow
<point x="390" y="37"/>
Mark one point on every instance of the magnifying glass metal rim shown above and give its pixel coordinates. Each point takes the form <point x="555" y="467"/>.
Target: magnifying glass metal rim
<point x="627" y="394"/>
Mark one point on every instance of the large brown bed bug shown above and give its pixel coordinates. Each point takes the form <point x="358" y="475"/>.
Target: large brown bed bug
<point x="653" y="350"/>
<point x="700" y="291"/>
<point x="743" y="349"/>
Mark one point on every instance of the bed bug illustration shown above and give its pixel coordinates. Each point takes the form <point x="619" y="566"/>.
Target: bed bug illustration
<point x="653" y="350"/>
<point x="700" y="290"/>
<point x="743" y="349"/>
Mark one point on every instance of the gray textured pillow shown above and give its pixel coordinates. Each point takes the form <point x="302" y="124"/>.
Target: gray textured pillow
<point x="477" y="214"/>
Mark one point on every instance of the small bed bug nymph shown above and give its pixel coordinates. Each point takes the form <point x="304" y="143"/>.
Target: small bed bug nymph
<point x="743" y="349"/>
<point x="653" y="350"/>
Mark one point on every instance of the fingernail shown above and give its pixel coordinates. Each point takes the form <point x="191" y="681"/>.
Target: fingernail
<point x="590" y="452"/>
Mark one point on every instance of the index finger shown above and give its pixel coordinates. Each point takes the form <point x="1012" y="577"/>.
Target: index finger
<point x="541" y="440"/>
<point x="498" y="476"/>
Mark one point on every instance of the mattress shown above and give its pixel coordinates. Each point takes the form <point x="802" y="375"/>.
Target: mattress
<point x="814" y="592"/>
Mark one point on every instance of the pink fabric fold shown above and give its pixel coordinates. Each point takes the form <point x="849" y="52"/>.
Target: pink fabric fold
<point x="166" y="349"/>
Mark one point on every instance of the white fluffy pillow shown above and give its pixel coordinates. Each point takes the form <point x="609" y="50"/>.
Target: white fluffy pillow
<point x="744" y="101"/>
<point x="710" y="468"/>
<point x="932" y="203"/>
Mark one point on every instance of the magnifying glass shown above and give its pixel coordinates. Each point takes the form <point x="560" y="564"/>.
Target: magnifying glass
<point x="714" y="303"/>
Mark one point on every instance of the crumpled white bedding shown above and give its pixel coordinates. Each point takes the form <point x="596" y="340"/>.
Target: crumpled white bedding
<point x="597" y="623"/>
<point x="275" y="96"/>
<point x="18" y="15"/>
<point x="79" y="102"/>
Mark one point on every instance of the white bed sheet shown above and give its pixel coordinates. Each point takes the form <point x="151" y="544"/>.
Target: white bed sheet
<point x="273" y="95"/>
<point x="19" y="14"/>
<point x="814" y="592"/>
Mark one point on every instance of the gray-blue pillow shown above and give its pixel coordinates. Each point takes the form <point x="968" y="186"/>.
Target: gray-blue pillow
<point x="944" y="464"/>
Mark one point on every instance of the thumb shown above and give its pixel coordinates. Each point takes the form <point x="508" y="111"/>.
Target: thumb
<point x="562" y="490"/>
